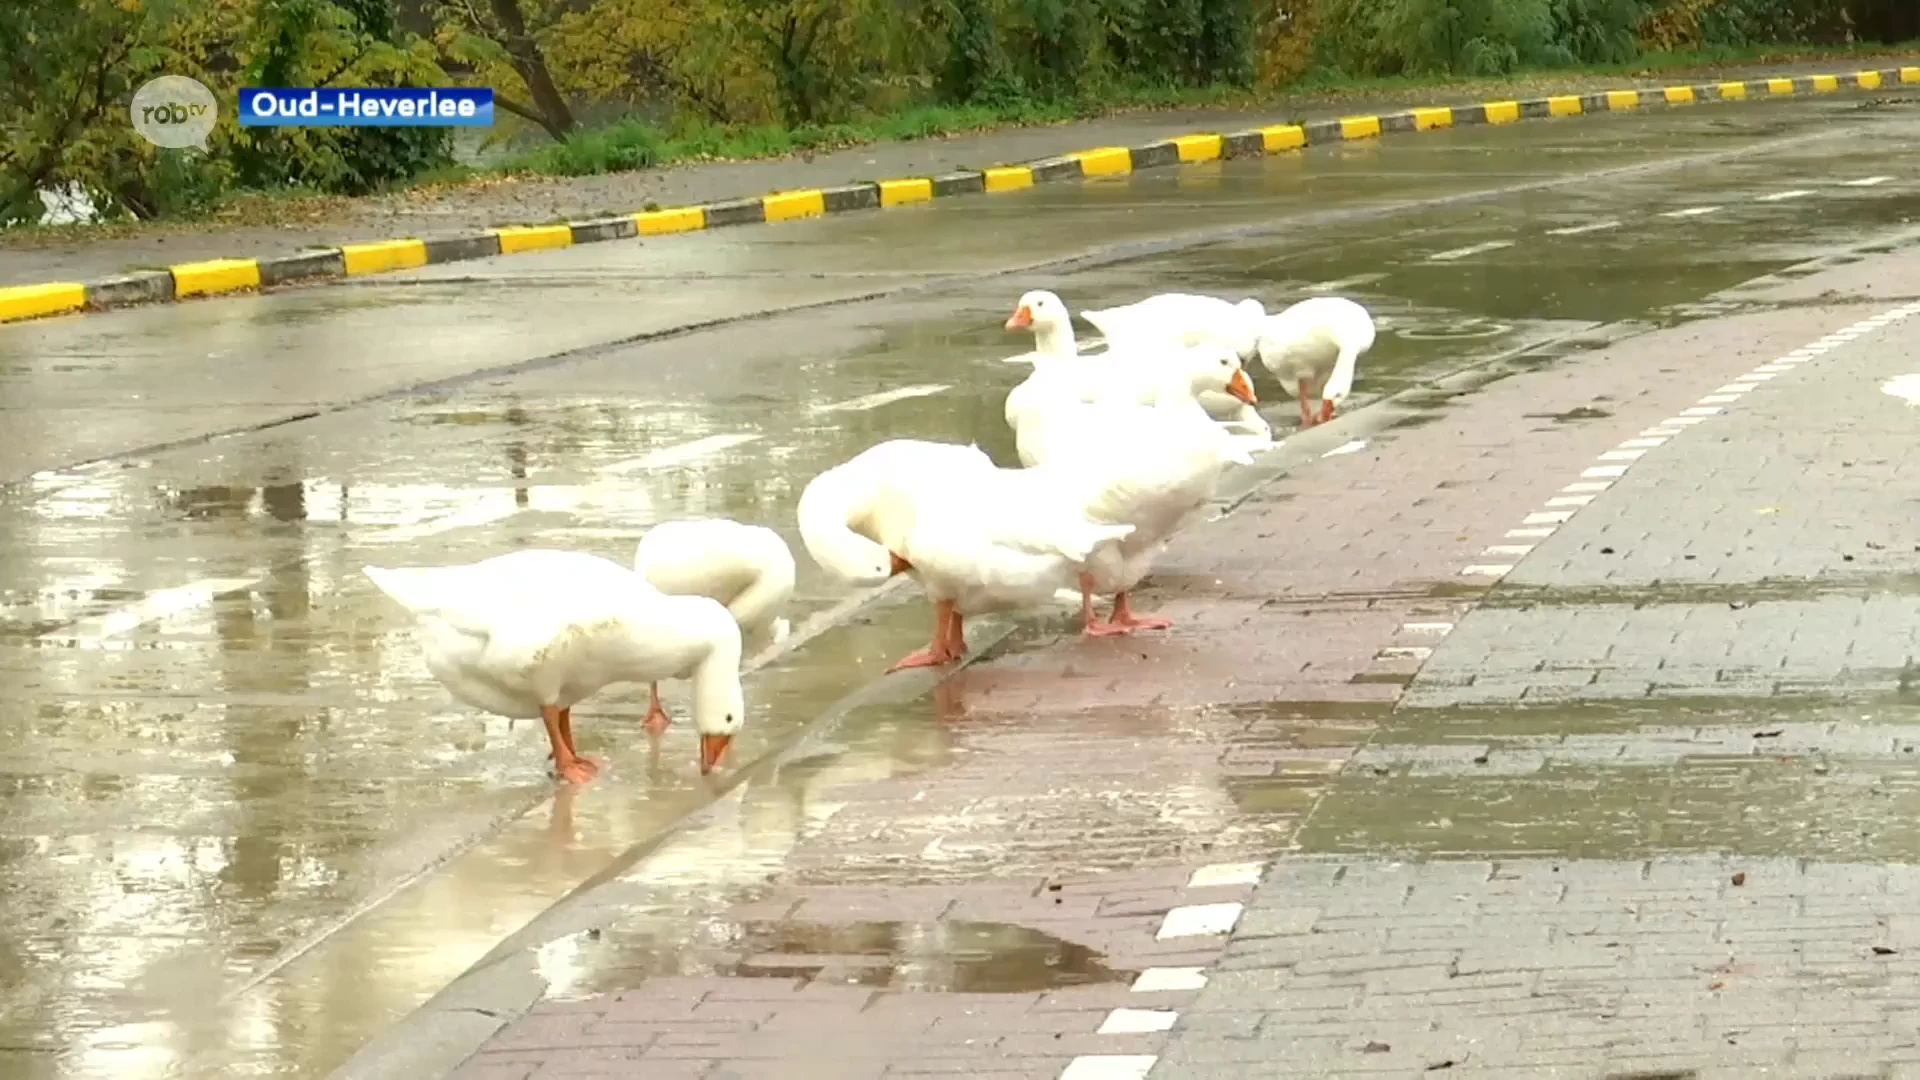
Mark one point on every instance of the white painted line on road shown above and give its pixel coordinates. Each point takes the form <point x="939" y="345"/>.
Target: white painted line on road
<point x="1622" y="455"/>
<point x="155" y="607"/>
<point x="680" y="454"/>
<point x="1239" y="873"/>
<point x="1866" y="181"/>
<point x="1124" y="1021"/>
<point x="1783" y="196"/>
<point x="1703" y="411"/>
<point x="1160" y="979"/>
<point x="884" y="397"/>
<point x="1546" y="517"/>
<point x="1685" y="420"/>
<point x="1507" y="549"/>
<point x="1576" y="230"/>
<point x="1109" y="1067"/>
<point x="1762" y="374"/>
<point x="1487" y="570"/>
<point x="1587" y="485"/>
<point x="1536" y="534"/>
<point x="1355" y="446"/>
<point x="1597" y="471"/>
<point x="1570" y="500"/>
<point x="1425" y="627"/>
<point x="485" y="513"/>
<point x="1719" y="399"/>
<point x="1471" y="249"/>
<point x="1343" y="283"/>
<point x="1691" y="211"/>
<point x="1200" y="920"/>
<point x="1904" y="387"/>
<point x="1403" y="652"/>
<point x="1735" y="388"/>
<point x="1642" y="443"/>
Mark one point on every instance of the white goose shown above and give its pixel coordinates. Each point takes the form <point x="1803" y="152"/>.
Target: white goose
<point x="749" y="568"/>
<point x="979" y="538"/>
<point x="1128" y="370"/>
<point x="1183" y="319"/>
<point x="533" y="633"/>
<point x="854" y="516"/>
<point x="851" y="516"/>
<point x="996" y="540"/>
<point x="1314" y="348"/>
<point x="1155" y="480"/>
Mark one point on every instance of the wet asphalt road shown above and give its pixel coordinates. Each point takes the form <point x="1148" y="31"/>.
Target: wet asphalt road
<point x="230" y="789"/>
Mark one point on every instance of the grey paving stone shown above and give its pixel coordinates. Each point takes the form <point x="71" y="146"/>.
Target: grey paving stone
<point x="1594" y="968"/>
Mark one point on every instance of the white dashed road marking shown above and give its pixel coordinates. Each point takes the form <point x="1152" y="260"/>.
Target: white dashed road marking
<point x="1576" y="230"/>
<point x="679" y="454"/>
<point x="1471" y="249"/>
<point x="157" y="606"/>
<point x="884" y="397"/>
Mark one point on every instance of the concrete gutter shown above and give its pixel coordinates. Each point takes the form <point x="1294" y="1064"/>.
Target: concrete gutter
<point x="215" y="277"/>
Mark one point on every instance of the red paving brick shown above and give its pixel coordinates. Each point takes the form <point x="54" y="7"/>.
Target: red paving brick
<point x="1081" y="782"/>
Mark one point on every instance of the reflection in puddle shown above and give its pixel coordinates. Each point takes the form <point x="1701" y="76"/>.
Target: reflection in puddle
<point x="961" y="957"/>
<point x="1581" y="412"/>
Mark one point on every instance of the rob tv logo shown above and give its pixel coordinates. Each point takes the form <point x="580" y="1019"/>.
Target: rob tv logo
<point x="174" y="111"/>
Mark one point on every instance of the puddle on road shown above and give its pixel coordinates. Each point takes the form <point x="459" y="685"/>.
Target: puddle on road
<point x="668" y="913"/>
<point x="944" y="956"/>
<point x="1736" y="595"/>
<point x="1577" y="413"/>
<point x="1761" y="775"/>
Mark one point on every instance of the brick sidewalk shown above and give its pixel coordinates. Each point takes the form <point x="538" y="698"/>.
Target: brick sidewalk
<point x="1080" y="786"/>
<point x="1663" y="774"/>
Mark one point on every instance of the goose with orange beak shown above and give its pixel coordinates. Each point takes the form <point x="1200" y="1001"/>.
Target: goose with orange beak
<point x="532" y="633"/>
<point x="749" y="568"/>
<point x="997" y="540"/>
<point x="1133" y="366"/>
<point x="1163" y="472"/>
<point x="1314" y="349"/>
<point x="854" y="519"/>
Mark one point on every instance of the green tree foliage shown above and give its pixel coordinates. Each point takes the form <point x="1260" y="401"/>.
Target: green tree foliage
<point x="73" y="69"/>
<point x="304" y="43"/>
<point x="1476" y="37"/>
<point x="67" y="71"/>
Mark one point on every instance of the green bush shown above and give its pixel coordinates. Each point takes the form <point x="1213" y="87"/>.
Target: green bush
<point x="317" y="43"/>
<point x="618" y="147"/>
<point x="1475" y="37"/>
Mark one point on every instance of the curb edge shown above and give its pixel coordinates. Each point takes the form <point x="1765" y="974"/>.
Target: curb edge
<point x="216" y="277"/>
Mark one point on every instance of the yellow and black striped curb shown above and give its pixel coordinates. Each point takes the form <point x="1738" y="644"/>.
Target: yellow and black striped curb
<point x="217" y="276"/>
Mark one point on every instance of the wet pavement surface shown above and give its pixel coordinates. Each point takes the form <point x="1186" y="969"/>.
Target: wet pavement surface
<point x="232" y="791"/>
<point x="543" y="200"/>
